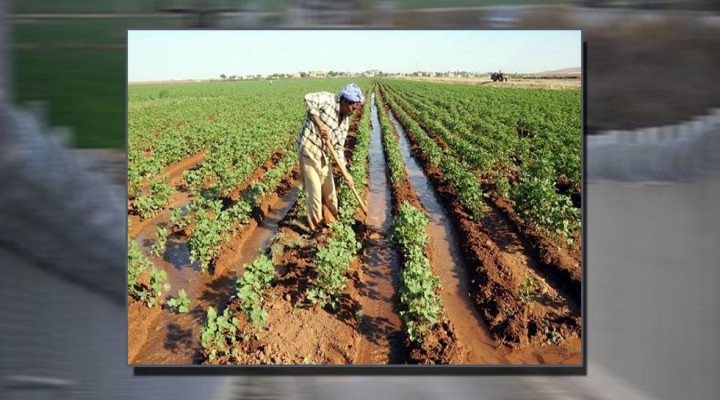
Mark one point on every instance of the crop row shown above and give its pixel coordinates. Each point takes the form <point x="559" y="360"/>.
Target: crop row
<point x="212" y="223"/>
<point x="507" y="125"/>
<point x="240" y="125"/>
<point x="533" y="164"/>
<point x="222" y="333"/>
<point x="419" y="291"/>
<point x="457" y="172"/>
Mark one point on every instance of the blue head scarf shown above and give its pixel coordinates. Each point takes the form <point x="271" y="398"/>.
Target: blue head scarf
<point x="352" y="93"/>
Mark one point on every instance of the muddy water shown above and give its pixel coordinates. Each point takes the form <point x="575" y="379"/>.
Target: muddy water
<point x="448" y="265"/>
<point x="382" y="341"/>
<point x="174" y="339"/>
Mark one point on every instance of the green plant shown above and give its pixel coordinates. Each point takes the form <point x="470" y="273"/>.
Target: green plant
<point x="138" y="264"/>
<point x="502" y="186"/>
<point x="553" y="336"/>
<point x="423" y="306"/>
<point x="528" y="291"/>
<point x="277" y="245"/>
<point x="149" y="205"/>
<point x="206" y="238"/>
<point x="537" y="201"/>
<point x="181" y="304"/>
<point x="159" y="246"/>
<point x="178" y="219"/>
<point x="157" y="287"/>
<point x="219" y="334"/>
<point x="332" y="263"/>
<point x="250" y="288"/>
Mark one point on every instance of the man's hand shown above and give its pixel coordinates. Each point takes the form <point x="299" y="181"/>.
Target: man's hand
<point x="323" y="130"/>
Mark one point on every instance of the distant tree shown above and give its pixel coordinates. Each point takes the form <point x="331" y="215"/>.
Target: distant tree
<point x="223" y="76"/>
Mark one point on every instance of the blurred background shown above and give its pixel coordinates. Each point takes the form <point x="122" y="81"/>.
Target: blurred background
<point x="653" y="225"/>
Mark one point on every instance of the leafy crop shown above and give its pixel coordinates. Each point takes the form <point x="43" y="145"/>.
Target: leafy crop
<point x="251" y="287"/>
<point x="528" y="291"/>
<point x="219" y="334"/>
<point x="332" y="263"/>
<point x="181" y="304"/>
<point x="149" y="205"/>
<point x="457" y="172"/>
<point x="497" y="133"/>
<point x="213" y="225"/>
<point x="160" y="243"/>
<point x="537" y="201"/>
<point x="423" y="306"/>
<point x="149" y="293"/>
<point x="177" y="218"/>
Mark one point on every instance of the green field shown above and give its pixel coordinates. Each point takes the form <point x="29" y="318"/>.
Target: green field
<point x="77" y="65"/>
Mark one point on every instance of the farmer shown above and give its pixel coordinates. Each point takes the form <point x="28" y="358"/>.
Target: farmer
<point x="327" y="119"/>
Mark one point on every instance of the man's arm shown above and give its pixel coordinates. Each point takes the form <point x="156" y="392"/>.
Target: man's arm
<point x="313" y="105"/>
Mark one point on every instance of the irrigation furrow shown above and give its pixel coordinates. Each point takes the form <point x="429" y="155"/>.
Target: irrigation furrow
<point x="553" y="263"/>
<point x="383" y="338"/>
<point x="449" y="266"/>
<point x="175" y="338"/>
<point x="503" y="264"/>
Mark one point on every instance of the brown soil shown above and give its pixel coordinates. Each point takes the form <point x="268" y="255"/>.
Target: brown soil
<point x="558" y="261"/>
<point x="174" y="337"/>
<point x="298" y="332"/>
<point x="175" y="170"/>
<point x="441" y="346"/>
<point x="181" y="195"/>
<point x="500" y="263"/>
<point x="140" y="320"/>
<point x="177" y="198"/>
<point x="229" y="252"/>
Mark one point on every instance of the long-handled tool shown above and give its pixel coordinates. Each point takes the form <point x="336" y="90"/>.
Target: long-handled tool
<point x="346" y="176"/>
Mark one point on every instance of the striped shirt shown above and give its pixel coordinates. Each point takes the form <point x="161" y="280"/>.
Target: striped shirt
<point x="309" y="142"/>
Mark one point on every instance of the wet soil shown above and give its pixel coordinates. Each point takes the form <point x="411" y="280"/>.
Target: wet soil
<point x="160" y="337"/>
<point x="556" y="260"/>
<point x="383" y="336"/>
<point x="441" y="345"/>
<point x="473" y="342"/>
<point x="181" y="196"/>
<point x="500" y="263"/>
<point x="297" y="331"/>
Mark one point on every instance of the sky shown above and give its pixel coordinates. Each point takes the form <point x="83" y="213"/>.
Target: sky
<point x="193" y="54"/>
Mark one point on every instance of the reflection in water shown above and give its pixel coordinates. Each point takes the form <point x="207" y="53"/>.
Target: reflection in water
<point x="448" y="264"/>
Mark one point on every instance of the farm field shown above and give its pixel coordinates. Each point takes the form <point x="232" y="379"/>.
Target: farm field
<point x="470" y="252"/>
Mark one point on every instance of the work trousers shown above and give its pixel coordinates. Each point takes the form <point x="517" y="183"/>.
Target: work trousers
<point x="320" y="188"/>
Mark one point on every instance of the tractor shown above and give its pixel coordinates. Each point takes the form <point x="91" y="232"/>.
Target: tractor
<point x="498" y="76"/>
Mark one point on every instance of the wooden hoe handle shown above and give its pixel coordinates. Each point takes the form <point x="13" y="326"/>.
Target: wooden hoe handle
<point x="346" y="176"/>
